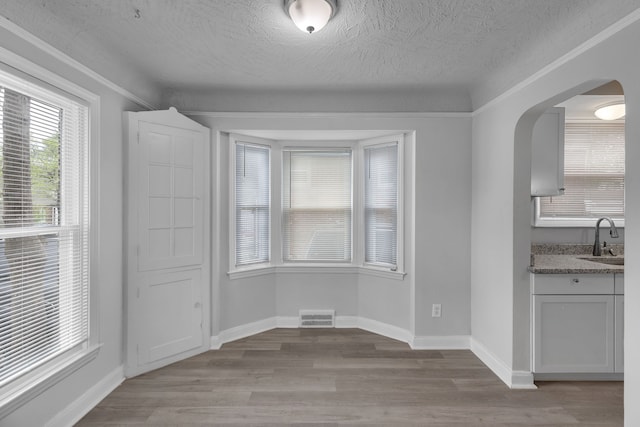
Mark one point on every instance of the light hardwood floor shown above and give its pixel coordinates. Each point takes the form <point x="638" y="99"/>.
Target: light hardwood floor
<point x="340" y="377"/>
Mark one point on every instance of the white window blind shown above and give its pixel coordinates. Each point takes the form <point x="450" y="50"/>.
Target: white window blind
<point x="381" y="204"/>
<point x="593" y="173"/>
<point x="44" y="228"/>
<point x="317" y="205"/>
<point x="252" y="203"/>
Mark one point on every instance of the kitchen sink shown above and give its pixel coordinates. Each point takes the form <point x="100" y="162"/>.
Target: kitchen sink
<point x="605" y="260"/>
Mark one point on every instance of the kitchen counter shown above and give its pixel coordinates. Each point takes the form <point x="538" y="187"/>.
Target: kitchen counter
<point x="571" y="264"/>
<point x="566" y="259"/>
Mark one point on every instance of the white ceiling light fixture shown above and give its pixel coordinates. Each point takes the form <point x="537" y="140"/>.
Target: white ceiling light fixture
<point x="310" y="15"/>
<point x="613" y="111"/>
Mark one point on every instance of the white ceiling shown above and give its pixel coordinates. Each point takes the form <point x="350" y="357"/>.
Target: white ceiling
<point x="478" y="47"/>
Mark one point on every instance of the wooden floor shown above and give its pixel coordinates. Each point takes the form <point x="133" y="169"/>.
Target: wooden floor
<point x="340" y="377"/>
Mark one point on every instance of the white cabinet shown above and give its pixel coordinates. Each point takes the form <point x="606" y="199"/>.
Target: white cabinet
<point x="547" y="154"/>
<point x="574" y="333"/>
<point x="577" y="323"/>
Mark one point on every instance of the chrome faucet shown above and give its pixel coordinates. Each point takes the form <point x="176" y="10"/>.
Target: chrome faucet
<point x="613" y="231"/>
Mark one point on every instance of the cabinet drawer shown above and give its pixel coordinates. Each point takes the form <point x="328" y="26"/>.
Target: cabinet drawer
<point x="570" y="284"/>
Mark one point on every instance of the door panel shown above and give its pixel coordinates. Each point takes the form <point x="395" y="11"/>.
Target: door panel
<point x="170" y="191"/>
<point x="172" y="304"/>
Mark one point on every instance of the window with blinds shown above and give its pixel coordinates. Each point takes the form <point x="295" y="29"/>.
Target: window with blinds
<point x="381" y="204"/>
<point x="593" y="175"/>
<point x="44" y="226"/>
<point x="252" y="203"/>
<point x="316" y="205"/>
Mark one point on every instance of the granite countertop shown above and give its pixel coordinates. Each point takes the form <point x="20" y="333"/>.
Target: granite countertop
<point x="566" y="259"/>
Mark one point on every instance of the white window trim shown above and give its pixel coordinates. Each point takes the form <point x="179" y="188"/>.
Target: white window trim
<point x="53" y="372"/>
<point x="357" y="264"/>
<point x="381" y="142"/>
<point x="233" y="140"/>
<point x="560" y="222"/>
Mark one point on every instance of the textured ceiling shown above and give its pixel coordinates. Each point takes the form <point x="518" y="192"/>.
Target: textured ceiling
<point x="480" y="46"/>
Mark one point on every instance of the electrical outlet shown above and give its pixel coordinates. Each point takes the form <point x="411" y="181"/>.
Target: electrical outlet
<point x="436" y="310"/>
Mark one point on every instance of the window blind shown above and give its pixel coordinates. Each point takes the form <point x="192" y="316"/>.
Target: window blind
<point x="593" y="173"/>
<point x="252" y="203"/>
<point x="44" y="226"/>
<point x="317" y="205"/>
<point x="381" y="204"/>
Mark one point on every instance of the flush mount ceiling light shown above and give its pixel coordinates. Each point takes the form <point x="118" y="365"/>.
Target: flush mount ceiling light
<point x="613" y="111"/>
<point x="310" y="15"/>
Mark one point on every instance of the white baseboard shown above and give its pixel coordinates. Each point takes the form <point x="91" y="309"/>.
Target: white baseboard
<point x="253" y="328"/>
<point x="513" y="379"/>
<point x="346" y="321"/>
<point x="384" y="329"/>
<point x="243" y="331"/>
<point x="89" y="399"/>
<point x="446" y="342"/>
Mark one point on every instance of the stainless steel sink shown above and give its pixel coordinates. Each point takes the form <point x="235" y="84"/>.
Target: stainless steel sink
<point x="605" y="260"/>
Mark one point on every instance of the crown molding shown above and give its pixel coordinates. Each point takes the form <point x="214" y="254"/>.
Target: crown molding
<point x="65" y="59"/>
<point x="326" y="115"/>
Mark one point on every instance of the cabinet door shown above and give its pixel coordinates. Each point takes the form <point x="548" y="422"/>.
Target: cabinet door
<point x="547" y="154"/>
<point x="573" y="333"/>
<point x="619" y="327"/>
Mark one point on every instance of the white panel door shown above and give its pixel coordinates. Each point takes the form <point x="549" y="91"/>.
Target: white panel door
<point x="167" y="224"/>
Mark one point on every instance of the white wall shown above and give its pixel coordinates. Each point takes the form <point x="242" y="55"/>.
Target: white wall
<point x="106" y="370"/>
<point x="500" y="199"/>
<point x="437" y="194"/>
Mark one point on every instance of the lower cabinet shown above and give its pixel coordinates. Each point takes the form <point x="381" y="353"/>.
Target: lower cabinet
<point x="574" y="333"/>
<point x="577" y="324"/>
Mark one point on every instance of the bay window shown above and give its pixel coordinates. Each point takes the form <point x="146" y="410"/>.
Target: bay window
<point x="322" y="203"/>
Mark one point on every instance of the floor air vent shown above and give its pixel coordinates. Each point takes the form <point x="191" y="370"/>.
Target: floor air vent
<point x="317" y="318"/>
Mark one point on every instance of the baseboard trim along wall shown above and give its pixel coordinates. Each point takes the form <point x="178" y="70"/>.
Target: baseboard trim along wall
<point x="81" y="406"/>
<point x="450" y="342"/>
<point x="513" y="379"/>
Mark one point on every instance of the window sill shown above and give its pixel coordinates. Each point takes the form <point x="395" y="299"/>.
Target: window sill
<point x="573" y="223"/>
<point x="28" y="390"/>
<point x="257" y="270"/>
<point x="317" y="269"/>
<point x="385" y="273"/>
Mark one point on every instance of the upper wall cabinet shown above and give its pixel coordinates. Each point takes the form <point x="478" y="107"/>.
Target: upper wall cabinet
<point x="547" y="155"/>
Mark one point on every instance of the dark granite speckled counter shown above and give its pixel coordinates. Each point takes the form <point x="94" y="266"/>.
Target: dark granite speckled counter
<point x="566" y="259"/>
